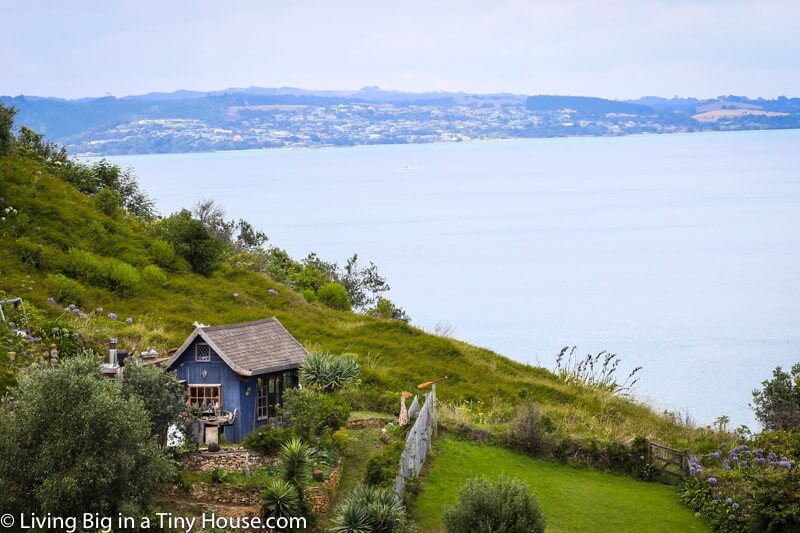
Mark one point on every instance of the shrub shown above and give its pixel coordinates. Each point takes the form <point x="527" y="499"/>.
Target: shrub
<point x="266" y="439"/>
<point x="280" y="499"/>
<point x="328" y="372"/>
<point x="154" y="275"/>
<point x="163" y="254"/>
<point x="86" y="449"/>
<point x="385" y="308"/>
<point x="193" y="241"/>
<point x="485" y="507"/>
<point x="309" y="413"/>
<point x="309" y="295"/>
<point x="334" y="295"/>
<point x="219" y="476"/>
<point x="336" y="441"/>
<point x="777" y="405"/>
<point x="105" y="272"/>
<point x="33" y="254"/>
<point x="382" y="468"/>
<point x="108" y="201"/>
<point x="161" y="394"/>
<point x="743" y="489"/>
<point x="369" y="509"/>
<point x="65" y="290"/>
<point x="527" y="432"/>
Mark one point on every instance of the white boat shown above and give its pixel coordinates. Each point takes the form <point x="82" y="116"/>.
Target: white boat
<point x="411" y="166"/>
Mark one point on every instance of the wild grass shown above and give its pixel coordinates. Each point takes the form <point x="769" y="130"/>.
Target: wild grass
<point x="394" y="356"/>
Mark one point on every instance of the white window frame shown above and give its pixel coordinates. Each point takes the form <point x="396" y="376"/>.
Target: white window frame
<point x="202" y="359"/>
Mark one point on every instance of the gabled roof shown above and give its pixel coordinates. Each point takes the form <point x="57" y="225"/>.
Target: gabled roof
<point x="249" y="348"/>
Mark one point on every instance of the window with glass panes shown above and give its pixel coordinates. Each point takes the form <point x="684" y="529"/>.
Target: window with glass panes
<point x="269" y="396"/>
<point x="206" y="397"/>
<point x="202" y="353"/>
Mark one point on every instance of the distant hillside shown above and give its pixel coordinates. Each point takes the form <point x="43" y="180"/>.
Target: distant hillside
<point x="51" y="233"/>
<point x="288" y="117"/>
<point x="584" y="104"/>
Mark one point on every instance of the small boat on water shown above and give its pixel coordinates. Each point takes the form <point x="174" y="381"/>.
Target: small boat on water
<point x="411" y="166"/>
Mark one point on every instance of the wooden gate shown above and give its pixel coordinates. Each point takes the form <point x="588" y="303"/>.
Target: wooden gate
<point x="672" y="465"/>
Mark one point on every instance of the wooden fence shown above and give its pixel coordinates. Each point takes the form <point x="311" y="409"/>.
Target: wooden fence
<point x="672" y="465"/>
<point x="418" y="441"/>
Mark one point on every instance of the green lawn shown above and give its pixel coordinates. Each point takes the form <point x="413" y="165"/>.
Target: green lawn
<point x="573" y="499"/>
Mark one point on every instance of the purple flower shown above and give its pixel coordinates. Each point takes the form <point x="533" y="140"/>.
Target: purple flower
<point x="51" y="300"/>
<point x="712" y="480"/>
<point x="112" y="316"/>
<point x="728" y="501"/>
<point x="129" y="320"/>
<point x="760" y="460"/>
<point x="735" y="505"/>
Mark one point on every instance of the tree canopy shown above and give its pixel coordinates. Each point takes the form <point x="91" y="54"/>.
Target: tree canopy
<point x="71" y="444"/>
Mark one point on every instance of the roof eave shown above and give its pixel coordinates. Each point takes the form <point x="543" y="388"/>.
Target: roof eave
<point x="274" y="368"/>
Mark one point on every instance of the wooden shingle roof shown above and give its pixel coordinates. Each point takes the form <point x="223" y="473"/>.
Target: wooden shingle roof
<point x="250" y="348"/>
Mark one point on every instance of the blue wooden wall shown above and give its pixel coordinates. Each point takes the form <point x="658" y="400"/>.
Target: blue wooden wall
<point x="238" y="393"/>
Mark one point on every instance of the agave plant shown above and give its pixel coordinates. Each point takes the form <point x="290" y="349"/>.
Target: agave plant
<point x="280" y="499"/>
<point x="329" y="372"/>
<point x="296" y="460"/>
<point x="370" y="509"/>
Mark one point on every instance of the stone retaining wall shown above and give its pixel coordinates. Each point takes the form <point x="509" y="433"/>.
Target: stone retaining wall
<point x="367" y="423"/>
<point x="226" y="459"/>
<point x="320" y="498"/>
<point x="216" y="493"/>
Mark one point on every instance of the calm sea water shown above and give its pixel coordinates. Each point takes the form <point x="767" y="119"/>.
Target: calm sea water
<point x="679" y="252"/>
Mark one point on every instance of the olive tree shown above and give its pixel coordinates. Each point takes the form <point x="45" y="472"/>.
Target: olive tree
<point x="161" y="394"/>
<point x="70" y="443"/>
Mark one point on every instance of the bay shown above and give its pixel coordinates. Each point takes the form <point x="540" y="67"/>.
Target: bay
<point x="678" y="252"/>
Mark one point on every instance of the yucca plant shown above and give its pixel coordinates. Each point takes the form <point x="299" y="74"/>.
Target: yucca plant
<point x="329" y="372"/>
<point x="370" y="509"/>
<point x="296" y="460"/>
<point x="280" y="499"/>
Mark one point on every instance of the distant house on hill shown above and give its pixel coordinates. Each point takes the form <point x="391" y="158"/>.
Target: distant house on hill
<point x="237" y="373"/>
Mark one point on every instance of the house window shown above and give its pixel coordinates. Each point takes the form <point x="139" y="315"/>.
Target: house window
<point x="207" y="397"/>
<point x="269" y="396"/>
<point x="202" y="353"/>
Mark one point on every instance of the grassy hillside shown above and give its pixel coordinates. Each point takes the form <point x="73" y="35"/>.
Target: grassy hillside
<point x="53" y="225"/>
<point x="572" y="499"/>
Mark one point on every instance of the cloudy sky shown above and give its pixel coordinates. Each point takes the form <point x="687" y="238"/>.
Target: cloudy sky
<point x="611" y="48"/>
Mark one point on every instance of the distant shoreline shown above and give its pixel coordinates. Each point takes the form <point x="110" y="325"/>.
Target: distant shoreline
<point x="468" y="141"/>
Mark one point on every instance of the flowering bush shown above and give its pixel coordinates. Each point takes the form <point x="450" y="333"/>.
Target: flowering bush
<point x="743" y="489"/>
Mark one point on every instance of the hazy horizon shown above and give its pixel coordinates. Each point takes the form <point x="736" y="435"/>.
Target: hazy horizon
<point x="386" y="89"/>
<point x="620" y="49"/>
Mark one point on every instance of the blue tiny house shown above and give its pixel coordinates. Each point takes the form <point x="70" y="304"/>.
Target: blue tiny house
<point x="237" y="373"/>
